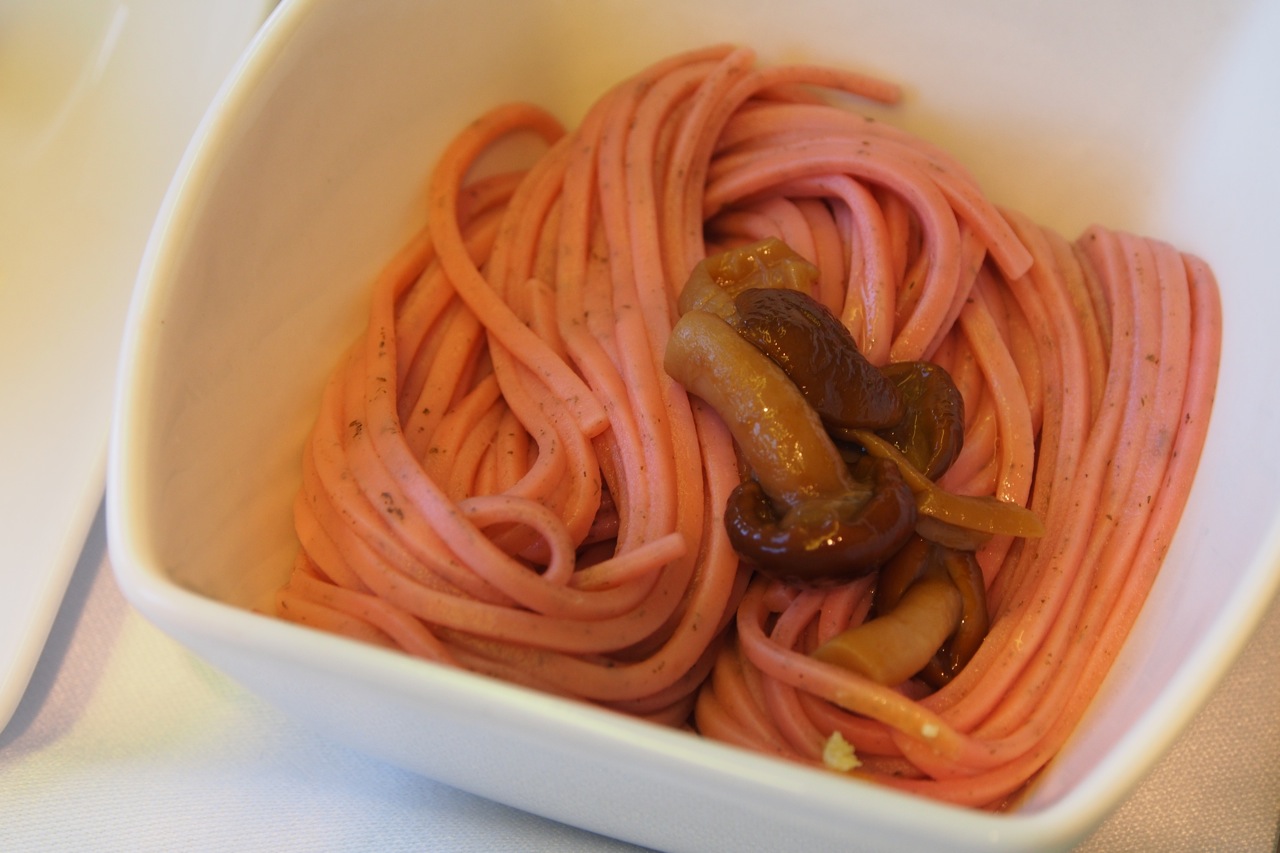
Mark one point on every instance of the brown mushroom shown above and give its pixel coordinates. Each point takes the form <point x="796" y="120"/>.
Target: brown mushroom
<point x="930" y="431"/>
<point x="981" y="514"/>
<point x="894" y="646"/>
<point x="824" y="541"/>
<point x="929" y="618"/>
<point x="818" y="352"/>
<point x="768" y="263"/>
<point x="841" y="460"/>
<point x="804" y="513"/>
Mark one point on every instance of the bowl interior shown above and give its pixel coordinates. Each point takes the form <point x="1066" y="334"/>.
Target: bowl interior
<point x="312" y="169"/>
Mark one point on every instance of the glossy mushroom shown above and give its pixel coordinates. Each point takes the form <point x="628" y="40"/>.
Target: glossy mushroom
<point x="930" y="617"/>
<point x="843" y="458"/>
<point x="823" y="541"/>
<point x="804" y="515"/>
<point x="930" y="430"/>
<point x="820" y="356"/>
<point x="766" y="264"/>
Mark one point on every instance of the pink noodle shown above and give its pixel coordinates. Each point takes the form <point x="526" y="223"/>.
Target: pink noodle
<point x="502" y="477"/>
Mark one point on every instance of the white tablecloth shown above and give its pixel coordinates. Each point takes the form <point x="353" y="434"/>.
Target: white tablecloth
<point x="124" y="741"/>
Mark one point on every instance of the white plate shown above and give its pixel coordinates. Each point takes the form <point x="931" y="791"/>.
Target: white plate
<point x="97" y="101"/>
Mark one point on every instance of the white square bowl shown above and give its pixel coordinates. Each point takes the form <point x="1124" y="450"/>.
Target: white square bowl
<point x="309" y="173"/>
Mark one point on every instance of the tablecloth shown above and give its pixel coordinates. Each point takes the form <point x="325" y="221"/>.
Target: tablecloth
<point x="124" y="741"/>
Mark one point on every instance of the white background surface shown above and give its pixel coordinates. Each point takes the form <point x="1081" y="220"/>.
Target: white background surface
<point x="125" y="742"/>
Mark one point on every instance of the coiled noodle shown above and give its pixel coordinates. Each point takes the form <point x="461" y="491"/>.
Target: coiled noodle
<point x="502" y="477"/>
